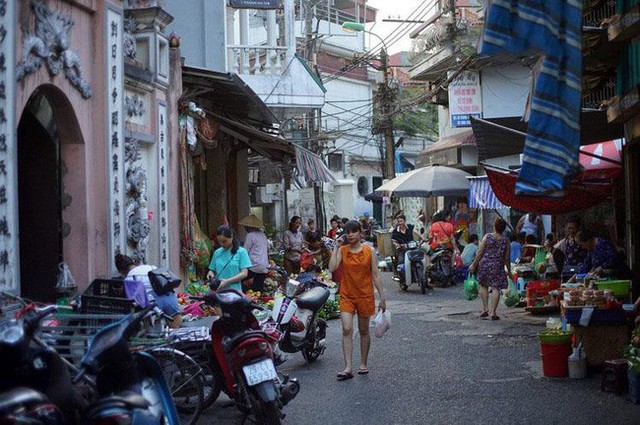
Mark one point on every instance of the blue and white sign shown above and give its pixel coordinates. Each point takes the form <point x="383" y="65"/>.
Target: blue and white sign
<point x="465" y="100"/>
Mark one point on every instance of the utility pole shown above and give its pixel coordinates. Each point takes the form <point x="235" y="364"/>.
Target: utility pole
<point x="387" y="121"/>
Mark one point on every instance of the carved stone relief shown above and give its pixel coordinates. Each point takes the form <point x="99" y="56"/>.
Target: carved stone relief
<point x="134" y="105"/>
<point x="50" y="44"/>
<point x="130" y="46"/>
<point x="136" y="213"/>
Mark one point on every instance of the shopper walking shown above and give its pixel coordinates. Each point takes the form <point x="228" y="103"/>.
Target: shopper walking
<point x="257" y="246"/>
<point x="491" y="260"/>
<point x="230" y="263"/>
<point x="293" y="245"/>
<point x="359" y="276"/>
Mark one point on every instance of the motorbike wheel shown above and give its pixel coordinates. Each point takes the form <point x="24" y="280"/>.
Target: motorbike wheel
<point x="270" y="413"/>
<point x="184" y="378"/>
<point x="312" y="349"/>
<point x="418" y="272"/>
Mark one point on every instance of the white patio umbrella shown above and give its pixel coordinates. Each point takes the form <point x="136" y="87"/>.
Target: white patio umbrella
<point x="434" y="180"/>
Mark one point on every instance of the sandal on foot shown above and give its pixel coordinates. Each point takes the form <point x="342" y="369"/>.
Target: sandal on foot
<point x="363" y="371"/>
<point x="484" y="314"/>
<point x="343" y="376"/>
<point x="495" y="317"/>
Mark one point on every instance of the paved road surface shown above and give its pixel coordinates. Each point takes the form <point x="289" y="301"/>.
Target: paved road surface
<point x="441" y="364"/>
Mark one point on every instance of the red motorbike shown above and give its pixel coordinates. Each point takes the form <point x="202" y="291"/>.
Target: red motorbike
<point x="243" y="362"/>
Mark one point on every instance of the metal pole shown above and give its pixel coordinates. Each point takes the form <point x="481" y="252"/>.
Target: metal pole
<point x="390" y="169"/>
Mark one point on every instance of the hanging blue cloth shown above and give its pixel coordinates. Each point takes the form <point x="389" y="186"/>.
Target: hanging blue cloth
<point x="554" y="28"/>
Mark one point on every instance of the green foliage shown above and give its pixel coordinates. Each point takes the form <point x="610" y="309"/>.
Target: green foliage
<point x="418" y="119"/>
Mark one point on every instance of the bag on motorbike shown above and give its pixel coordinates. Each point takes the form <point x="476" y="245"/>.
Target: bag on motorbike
<point x="512" y="297"/>
<point x="163" y="280"/>
<point x="471" y="287"/>
<point x="381" y="323"/>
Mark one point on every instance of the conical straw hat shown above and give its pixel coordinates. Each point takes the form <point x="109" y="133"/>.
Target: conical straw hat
<point x="251" y="220"/>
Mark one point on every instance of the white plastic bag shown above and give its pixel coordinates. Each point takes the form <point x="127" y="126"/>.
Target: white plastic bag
<point x="381" y="323"/>
<point x="66" y="282"/>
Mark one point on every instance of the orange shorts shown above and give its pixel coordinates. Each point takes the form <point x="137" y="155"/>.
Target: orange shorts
<point x="364" y="306"/>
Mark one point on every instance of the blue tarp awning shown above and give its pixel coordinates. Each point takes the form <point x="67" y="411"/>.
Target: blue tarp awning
<point x="481" y="194"/>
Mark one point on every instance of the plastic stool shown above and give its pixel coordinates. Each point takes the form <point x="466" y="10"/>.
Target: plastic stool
<point x="614" y="376"/>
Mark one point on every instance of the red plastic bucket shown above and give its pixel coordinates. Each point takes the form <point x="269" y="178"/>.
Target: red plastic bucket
<point x="555" y="363"/>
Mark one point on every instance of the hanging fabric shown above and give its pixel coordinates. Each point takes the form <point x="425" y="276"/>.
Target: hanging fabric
<point x="554" y="28"/>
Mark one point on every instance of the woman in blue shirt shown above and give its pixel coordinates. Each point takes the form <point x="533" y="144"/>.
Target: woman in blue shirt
<point x="230" y="262"/>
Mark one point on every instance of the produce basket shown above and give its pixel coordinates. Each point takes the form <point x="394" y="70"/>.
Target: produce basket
<point x="619" y="287"/>
<point x="555" y="336"/>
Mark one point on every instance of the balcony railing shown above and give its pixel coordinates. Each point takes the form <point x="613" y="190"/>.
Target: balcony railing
<point x="257" y="60"/>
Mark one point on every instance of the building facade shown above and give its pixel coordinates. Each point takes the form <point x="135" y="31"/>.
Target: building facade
<point x="87" y="137"/>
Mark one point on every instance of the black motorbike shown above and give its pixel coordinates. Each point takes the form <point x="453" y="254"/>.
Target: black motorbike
<point x="414" y="256"/>
<point x="35" y="387"/>
<point x="442" y="269"/>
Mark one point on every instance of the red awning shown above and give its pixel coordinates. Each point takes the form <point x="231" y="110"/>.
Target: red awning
<point x="577" y="196"/>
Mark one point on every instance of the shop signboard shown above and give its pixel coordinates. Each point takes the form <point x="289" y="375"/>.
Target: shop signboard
<point x="255" y="4"/>
<point x="465" y="99"/>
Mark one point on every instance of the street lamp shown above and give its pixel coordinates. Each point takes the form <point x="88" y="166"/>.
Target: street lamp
<point x="385" y="103"/>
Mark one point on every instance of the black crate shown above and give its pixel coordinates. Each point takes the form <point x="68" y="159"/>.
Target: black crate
<point x="107" y="288"/>
<point x="90" y="304"/>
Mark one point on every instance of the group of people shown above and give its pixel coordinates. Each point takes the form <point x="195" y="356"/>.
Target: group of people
<point x="580" y="252"/>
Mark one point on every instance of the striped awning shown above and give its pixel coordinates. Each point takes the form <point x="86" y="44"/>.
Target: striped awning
<point x="311" y="167"/>
<point x="481" y="194"/>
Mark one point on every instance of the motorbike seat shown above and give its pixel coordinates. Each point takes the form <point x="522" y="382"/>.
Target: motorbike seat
<point x="20" y="396"/>
<point x="313" y="299"/>
<point x="124" y="399"/>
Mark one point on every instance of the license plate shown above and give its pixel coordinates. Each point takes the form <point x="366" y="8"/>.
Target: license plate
<point x="259" y="372"/>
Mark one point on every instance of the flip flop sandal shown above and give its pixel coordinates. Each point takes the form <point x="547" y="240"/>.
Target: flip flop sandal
<point x="495" y="317"/>
<point x="343" y="376"/>
<point x="363" y="371"/>
<point x="484" y="314"/>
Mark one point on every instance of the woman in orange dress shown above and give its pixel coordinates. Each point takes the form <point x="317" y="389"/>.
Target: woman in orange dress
<point x="359" y="276"/>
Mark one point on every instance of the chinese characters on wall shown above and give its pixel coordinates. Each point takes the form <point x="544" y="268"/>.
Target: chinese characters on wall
<point x="115" y="120"/>
<point x="9" y="250"/>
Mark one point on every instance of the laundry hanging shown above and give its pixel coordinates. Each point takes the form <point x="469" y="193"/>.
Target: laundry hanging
<point x="550" y="156"/>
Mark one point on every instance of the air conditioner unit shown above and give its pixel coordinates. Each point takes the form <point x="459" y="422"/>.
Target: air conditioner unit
<point x="263" y="197"/>
<point x="272" y="188"/>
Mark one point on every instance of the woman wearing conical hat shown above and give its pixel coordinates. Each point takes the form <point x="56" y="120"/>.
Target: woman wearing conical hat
<point x="257" y="244"/>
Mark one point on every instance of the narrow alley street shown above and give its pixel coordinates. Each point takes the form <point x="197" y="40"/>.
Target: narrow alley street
<point x="441" y="364"/>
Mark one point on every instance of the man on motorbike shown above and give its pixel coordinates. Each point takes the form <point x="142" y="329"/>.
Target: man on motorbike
<point x="402" y="234"/>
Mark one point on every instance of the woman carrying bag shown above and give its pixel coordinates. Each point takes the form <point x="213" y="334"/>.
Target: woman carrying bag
<point x="493" y="265"/>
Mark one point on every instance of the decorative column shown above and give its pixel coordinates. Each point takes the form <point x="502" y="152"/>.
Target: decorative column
<point x="163" y="163"/>
<point x="289" y="30"/>
<point x="115" y="120"/>
<point x="9" y="249"/>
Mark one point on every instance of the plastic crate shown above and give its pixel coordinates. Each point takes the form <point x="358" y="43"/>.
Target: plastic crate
<point x="543" y="285"/>
<point x="107" y="288"/>
<point x="620" y="287"/>
<point x="90" y="304"/>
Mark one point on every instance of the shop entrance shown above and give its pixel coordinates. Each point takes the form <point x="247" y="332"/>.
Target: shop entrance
<point x="39" y="199"/>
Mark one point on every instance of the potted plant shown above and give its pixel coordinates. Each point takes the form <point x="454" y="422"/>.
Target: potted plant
<point x="632" y="354"/>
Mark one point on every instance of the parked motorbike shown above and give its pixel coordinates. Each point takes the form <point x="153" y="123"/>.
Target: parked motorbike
<point x="130" y="385"/>
<point x="243" y="359"/>
<point x="36" y="385"/>
<point x="295" y="316"/>
<point x="442" y="268"/>
<point x="414" y="259"/>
